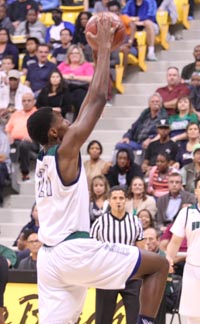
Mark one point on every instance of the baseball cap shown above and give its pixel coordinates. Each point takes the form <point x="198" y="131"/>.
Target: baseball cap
<point x="163" y="123"/>
<point x="14" y="74"/>
<point x="196" y="148"/>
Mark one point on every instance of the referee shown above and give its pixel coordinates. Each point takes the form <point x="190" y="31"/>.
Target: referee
<point x="118" y="226"/>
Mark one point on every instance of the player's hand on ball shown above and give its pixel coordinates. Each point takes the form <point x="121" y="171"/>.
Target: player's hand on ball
<point x="97" y="31"/>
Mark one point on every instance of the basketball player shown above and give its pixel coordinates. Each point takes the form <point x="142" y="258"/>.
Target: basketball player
<point x="187" y="224"/>
<point x="69" y="261"/>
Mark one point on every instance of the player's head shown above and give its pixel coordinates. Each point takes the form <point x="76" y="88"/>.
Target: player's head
<point x="47" y="126"/>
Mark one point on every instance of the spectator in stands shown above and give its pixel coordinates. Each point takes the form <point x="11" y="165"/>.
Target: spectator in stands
<point x="32" y="27"/>
<point x="7" y="260"/>
<point x="59" y="53"/>
<point x="195" y="92"/>
<point x="33" y="244"/>
<point x="53" y="32"/>
<point x="31" y="53"/>
<point x="173" y="90"/>
<point x="152" y="244"/>
<point x="17" y="10"/>
<point x="95" y="165"/>
<point x="129" y="43"/>
<point x="146" y="218"/>
<point x="3" y="280"/>
<point x="6" y="46"/>
<point x="170" y="7"/>
<point x="17" y="130"/>
<point x="162" y="145"/>
<point x="98" y="197"/>
<point x="180" y="120"/>
<point x="4" y="161"/>
<point x="143" y="131"/>
<point x="139" y="10"/>
<point x="100" y="6"/>
<point x="9" y="255"/>
<point x="185" y="155"/>
<point x="138" y="198"/>
<point x="55" y="94"/>
<point x="190" y="68"/>
<point x="159" y="175"/>
<point x="32" y="225"/>
<point x="11" y="94"/>
<point x="78" y="74"/>
<point x="79" y="34"/>
<point x="38" y="73"/>
<point x="190" y="171"/>
<point x="124" y="170"/>
<point x="5" y="21"/>
<point x="191" y="10"/>
<point x="171" y="203"/>
<point x="7" y="64"/>
<point x="46" y="5"/>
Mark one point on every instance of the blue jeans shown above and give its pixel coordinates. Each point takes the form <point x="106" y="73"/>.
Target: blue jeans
<point x="131" y="145"/>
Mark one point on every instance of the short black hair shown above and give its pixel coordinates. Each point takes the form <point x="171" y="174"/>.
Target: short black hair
<point x="117" y="188"/>
<point x="27" y="232"/>
<point x="34" y="39"/>
<point x="8" y="57"/>
<point x="39" y="124"/>
<point x="95" y="142"/>
<point x="70" y="32"/>
<point x="114" y="3"/>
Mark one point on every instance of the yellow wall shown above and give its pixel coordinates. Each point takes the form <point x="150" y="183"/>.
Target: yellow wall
<point x="22" y="306"/>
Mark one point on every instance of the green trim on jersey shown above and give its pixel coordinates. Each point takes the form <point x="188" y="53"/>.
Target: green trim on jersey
<point x="51" y="152"/>
<point x="193" y="206"/>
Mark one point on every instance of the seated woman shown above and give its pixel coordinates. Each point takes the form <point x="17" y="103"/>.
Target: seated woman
<point x="98" y="197"/>
<point x="55" y="94"/>
<point x="185" y="152"/>
<point x="124" y="170"/>
<point x="138" y="199"/>
<point x="146" y="218"/>
<point x="79" y="34"/>
<point x="181" y="119"/>
<point x="190" y="171"/>
<point x="6" y="46"/>
<point x="78" y="74"/>
<point x="31" y="27"/>
<point x="158" y="177"/>
<point x="95" y="165"/>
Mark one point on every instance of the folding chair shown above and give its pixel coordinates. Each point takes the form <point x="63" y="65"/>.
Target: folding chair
<point x="176" y="286"/>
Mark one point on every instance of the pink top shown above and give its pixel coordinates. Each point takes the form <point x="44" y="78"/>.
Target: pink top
<point x="167" y="235"/>
<point x="85" y="69"/>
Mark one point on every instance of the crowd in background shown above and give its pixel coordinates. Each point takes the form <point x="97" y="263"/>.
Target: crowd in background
<point x="158" y="158"/>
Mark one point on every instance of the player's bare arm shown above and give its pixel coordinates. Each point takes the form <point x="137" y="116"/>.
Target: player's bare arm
<point x="92" y="107"/>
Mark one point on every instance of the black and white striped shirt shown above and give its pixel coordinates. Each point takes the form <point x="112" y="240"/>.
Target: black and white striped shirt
<point x="108" y="228"/>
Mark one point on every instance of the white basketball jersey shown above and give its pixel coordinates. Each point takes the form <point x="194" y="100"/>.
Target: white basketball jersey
<point x="62" y="209"/>
<point x="187" y="224"/>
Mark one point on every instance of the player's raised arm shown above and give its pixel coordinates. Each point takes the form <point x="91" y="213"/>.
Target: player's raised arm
<point x="95" y="100"/>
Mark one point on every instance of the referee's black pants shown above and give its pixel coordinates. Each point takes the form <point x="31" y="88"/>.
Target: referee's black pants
<point x="106" y="303"/>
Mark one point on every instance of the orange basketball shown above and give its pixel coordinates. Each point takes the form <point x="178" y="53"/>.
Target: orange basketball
<point x="116" y="21"/>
